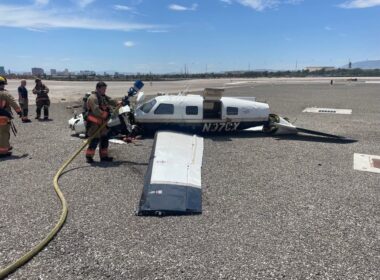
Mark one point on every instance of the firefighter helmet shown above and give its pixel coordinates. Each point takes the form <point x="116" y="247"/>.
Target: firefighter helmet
<point x="3" y="80"/>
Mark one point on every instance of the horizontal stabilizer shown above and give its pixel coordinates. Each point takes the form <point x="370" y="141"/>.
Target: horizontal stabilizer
<point x="284" y="127"/>
<point x="173" y="179"/>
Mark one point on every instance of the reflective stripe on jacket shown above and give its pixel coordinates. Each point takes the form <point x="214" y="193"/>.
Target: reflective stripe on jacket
<point x="4" y="120"/>
<point x="98" y="106"/>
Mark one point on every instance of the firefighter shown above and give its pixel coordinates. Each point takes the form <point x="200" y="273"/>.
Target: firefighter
<point x="99" y="109"/>
<point x="42" y="99"/>
<point x="6" y="102"/>
<point x="23" y="101"/>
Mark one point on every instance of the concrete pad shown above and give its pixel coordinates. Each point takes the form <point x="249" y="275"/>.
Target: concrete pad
<point x="328" y="111"/>
<point x="369" y="163"/>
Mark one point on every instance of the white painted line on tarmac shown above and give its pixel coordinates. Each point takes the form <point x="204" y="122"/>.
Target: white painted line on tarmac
<point x="369" y="163"/>
<point x="328" y="111"/>
<point x="238" y="83"/>
<point x="372" y="82"/>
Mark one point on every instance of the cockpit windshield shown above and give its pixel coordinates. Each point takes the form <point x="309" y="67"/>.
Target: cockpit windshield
<point x="146" y="107"/>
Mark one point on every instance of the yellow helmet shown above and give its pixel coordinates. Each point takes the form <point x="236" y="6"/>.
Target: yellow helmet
<point x="3" y="80"/>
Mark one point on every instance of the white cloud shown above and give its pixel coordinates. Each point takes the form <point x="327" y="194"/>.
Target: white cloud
<point x="328" y="28"/>
<point x="359" y="4"/>
<point x="293" y="2"/>
<point x="180" y="8"/>
<point x="129" y="44"/>
<point x="122" y="8"/>
<point x="30" y="18"/>
<point x="41" y="2"/>
<point x="36" y="30"/>
<point x="84" y="3"/>
<point x="158" y="31"/>
<point x="259" y="5"/>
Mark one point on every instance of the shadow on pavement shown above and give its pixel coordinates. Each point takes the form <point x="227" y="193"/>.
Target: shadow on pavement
<point x="290" y="137"/>
<point x="13" y="157"/>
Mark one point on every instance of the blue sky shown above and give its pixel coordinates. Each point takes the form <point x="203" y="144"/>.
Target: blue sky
<point x="162" y="36"/>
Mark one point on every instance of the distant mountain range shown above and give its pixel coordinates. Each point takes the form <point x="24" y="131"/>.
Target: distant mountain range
<point x="368" y="64"/>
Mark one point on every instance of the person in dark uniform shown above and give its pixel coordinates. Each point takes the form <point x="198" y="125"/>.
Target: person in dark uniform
<point x="23" y="101"/>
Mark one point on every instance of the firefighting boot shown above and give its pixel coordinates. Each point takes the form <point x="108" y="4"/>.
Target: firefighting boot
<point x="89" y="160"/>
<point x="106" y="159"/>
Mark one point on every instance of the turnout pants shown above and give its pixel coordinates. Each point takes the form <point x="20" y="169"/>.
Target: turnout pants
<point x="45" y="104"/>
<point x="101" y="139"/>
<point x="5" y="127"/>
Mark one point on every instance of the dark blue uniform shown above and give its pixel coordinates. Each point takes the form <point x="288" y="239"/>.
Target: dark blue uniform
<point x="23" y="101"/>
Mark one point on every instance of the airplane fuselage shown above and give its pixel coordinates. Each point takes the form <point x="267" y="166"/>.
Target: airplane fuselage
<point x="196" y="114"/>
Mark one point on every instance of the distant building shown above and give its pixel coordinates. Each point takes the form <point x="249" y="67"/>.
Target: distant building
<point x="53" y="72"/>
<point x="87" y="73"/>
<point x="65" y="73"/>
<point x="2" y="70"/>
<point x="37" y="71"/>
<point x="319" y="68"/>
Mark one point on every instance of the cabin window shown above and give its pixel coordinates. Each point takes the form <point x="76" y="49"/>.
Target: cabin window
<point x="191" y="110"/>
<point x="148" y="106"/>
<point x="164" y="109"/>
<point x="232" y="110"/>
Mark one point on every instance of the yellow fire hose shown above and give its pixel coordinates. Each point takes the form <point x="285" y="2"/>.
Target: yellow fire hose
<point x="25" y="258"/>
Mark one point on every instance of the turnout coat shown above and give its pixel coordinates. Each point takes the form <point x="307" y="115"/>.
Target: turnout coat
<point x="6" y="103"/>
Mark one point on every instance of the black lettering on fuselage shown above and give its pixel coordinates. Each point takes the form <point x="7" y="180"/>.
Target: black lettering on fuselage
<point x="220" y="127"/>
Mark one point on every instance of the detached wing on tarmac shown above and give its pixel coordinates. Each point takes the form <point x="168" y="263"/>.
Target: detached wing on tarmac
<point x="173" y="180"/>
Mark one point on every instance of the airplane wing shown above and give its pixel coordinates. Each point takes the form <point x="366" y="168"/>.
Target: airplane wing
<point x="173" y="179"/>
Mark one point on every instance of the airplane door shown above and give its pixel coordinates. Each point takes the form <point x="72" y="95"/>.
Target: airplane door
<point x="212" y="109"/>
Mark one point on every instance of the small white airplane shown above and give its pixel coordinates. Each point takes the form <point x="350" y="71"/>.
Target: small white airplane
<point x="207" y="113"/>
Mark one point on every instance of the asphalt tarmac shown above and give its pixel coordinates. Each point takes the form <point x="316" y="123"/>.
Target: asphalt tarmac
<point x="289" y="207"/>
